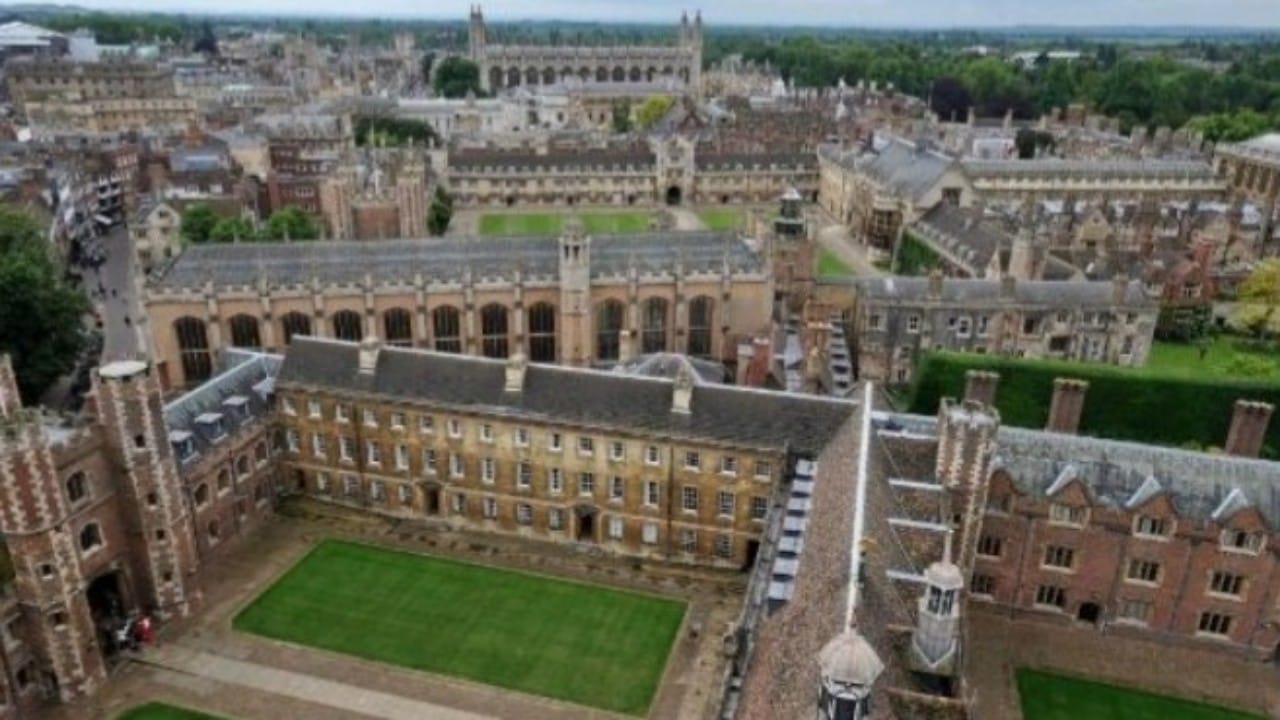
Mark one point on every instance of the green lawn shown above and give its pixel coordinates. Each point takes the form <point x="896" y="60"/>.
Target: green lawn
<point x="583" y="643"/>
<point x="722" y="218"/>
<point x="551" y="223"/>
<point x="161" y="711"/>
<point x="830" y="264"/>
<point x="1224" y="356"/>
<point x="1046" y="696"/>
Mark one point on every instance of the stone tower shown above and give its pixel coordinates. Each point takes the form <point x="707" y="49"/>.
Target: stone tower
<point x="476" y="37"/>
<point x="966" y="442"/>
<point x="156" y="512"/>
<point x="575" y="294"/>
<point x="37" y="523"/>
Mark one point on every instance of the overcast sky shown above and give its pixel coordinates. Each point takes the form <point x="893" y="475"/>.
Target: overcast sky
<point x="864" y="13"/>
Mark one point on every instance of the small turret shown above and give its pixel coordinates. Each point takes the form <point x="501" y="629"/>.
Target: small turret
<point x="849" y="667"/>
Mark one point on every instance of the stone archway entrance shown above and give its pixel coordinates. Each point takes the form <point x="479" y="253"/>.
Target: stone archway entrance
<point x="586" y="530"/>
<point x="108" y="607"/>
<point x="674" y="195"/>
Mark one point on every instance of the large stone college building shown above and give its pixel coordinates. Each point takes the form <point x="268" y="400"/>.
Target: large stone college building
<point x="575" y="300"/>
<point x="509" y="66"/>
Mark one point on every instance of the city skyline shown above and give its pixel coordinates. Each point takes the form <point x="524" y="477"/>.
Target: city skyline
<point x="805" y="13"/>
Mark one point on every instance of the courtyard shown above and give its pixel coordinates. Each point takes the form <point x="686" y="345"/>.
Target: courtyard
<point x="551" y="223"/>
<point x="562" y="639"/>
<point x="1048" y="696"/>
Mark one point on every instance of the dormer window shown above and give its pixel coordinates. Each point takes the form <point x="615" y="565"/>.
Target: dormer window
<point x="1242" y="541"/>
<point x="1147" y="526"/>
<point x="183" y="446"/>
<point x="237" y="406"/>
<point x="1060" y="514"/>
<point x="213" y="425"/>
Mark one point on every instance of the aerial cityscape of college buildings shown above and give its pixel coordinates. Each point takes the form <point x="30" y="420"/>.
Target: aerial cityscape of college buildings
<point x="700" y="393"/>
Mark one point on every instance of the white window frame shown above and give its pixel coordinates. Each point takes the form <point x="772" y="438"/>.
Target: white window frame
<point x="692" y="460"/>
<point x="728" y="465"/>
<point x="488" y="470"/>
<point x="373" y="452"/>
<point x="652" y="456"/>
<point x="402" y="456"/>
<point x="689" y="498"/>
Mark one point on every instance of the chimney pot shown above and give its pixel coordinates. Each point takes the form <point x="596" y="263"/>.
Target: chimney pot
<point x="682" y="392"/>
<point x="1067" y="406"/>
<point x="1249" y="420"/>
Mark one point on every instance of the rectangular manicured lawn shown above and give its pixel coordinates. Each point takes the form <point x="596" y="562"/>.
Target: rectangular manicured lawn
<point x="571" y="641"/>
<point x="551" y="223"/>
<point x="722" y="219"/>
<point x="1046" y="696"/>
<point x="161" y="711"/>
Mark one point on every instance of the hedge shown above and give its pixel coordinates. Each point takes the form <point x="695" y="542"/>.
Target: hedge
<point x="1121" y="403"/>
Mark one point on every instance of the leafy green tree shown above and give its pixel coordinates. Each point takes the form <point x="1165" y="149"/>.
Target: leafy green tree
<point x="197" y="222"/>
<point x="236" y="229"/>
<point x="440" y="212"/>
<point x="652" y="110"/>
<point x="1258" y="306"/>
<point x="291" y="223"/>
<point x="41" y="314"/>
<point x="622" y="116"/>
<point x="456" y="77"/>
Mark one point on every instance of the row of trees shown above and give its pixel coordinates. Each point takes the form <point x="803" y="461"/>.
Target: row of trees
<point x="41" y="313"/>
<point x="1167" y="88"/>
<point x="200" y="224"/>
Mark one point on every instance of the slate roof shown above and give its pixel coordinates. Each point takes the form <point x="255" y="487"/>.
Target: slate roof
<point x="574" y="396"/>
<point x="246" y="375"/>
<point x="899" y="166"/>
<point x="1121" y="474"/>
<point x="480" y="160"/>
<point x="1053" y="167"/>
<point x="446" y="259"/>
<point x="1073" y="293"/>
<point x="963" y="234"/>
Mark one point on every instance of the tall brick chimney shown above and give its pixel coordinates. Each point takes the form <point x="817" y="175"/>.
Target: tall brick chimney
<point x="1248" y="428"/>
<point x="935" y="283"/>
<point x="980" y="386"/>
<point x="1067" y="405"/>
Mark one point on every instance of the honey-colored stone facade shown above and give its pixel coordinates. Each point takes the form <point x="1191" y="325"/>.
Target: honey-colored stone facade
<point x="633" y="494"/>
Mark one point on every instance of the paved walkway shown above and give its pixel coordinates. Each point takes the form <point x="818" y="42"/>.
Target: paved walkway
<point x="836" y="240"/>
<point x="686" y="219"/>
<point x="337" y="695"/>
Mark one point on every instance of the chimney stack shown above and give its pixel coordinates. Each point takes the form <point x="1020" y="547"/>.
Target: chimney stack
<point x="1067" y="405"/>
<point x="1119" y="289"/>
<point x="682" y="393"/>
<point x="1248" y="431"/>
<point x="935" y="283"/>
<point x="1008" y="287"/>
<point x="369" y="349"/>
<point x="980" y="386"/>
<point x="626" y="345"/>
<point x="517" y="364"/>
